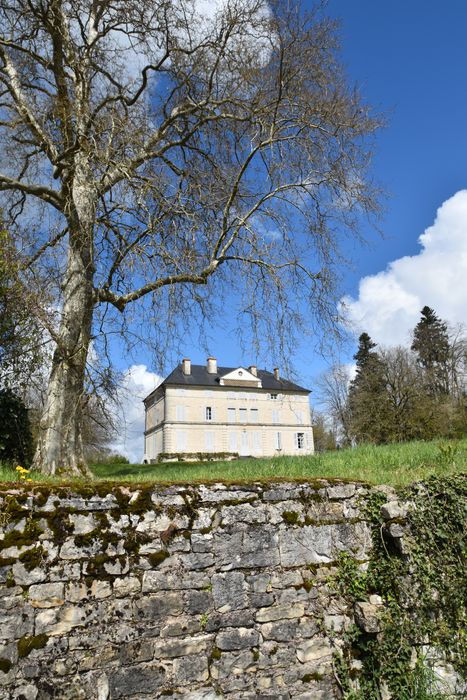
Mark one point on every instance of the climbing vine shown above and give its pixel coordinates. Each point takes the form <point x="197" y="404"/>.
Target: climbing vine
<point x="417" y="567"/>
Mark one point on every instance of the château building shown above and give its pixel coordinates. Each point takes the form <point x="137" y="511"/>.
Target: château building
<point x="238" y="410"/>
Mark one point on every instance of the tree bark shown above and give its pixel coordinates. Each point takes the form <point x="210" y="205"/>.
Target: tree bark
<point x="60" y="449"/>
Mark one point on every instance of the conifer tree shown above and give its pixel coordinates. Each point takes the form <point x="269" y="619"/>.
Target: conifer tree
<point x="368" y="399"/>
<point x="431" y="344"/>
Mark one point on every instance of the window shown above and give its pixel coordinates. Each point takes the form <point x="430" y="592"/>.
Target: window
<point x="180" y="437"/>
<point x="278" y="441"/>
<point x="209" y="441"/>
<point x="274" y="397"/>
<point x="208" y="415"/>
<point x="257" y="441"/>
<point x="300" y="441"/>
<point x="299" y="415"/>
<point x="243" y="415"/>
<point x="180" y="412"/>
<point x="233" y="442"/>
<point x="253" y="415"/>
<point x="231" y="415"/>
<point x="276" y="417"/>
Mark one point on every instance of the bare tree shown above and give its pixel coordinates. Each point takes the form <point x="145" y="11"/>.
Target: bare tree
<point x="173" y="152"/>
<point x="333" y="394"/>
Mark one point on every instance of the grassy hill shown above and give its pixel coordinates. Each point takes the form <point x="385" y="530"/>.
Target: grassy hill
<point x="396" y="465"/>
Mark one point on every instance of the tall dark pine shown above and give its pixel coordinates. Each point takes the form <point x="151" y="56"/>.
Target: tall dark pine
<point x="431" y="344"/>
<point x="368" y="399"/>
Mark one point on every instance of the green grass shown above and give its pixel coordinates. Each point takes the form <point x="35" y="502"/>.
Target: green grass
<point x="395" y="465"/>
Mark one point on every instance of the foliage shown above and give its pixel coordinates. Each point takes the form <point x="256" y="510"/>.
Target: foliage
<point x="324" y="439"/>
<point x="399" y="394"/>
<point x="423" y="588"/>
<point x="15" y="433"/>
<point x="431" y="344"/>
<point x="21" y="336"/>
<point x="368" y="400"/>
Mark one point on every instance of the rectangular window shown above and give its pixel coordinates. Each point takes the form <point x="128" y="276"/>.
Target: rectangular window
<point x="274" y="397"/>
<point x="276" y="417"/>
<point x="208" y="415"/>
<point x="300" y="441"/>
<point x="253" y="415"/>
<point x="257" y="442"/>
<point x="299" y="415"/>
<point x="233" y="442"/>
<point x="209" y="441"/>
<point x="180" y="412"/>
<point x="243" y="415"/>
<point x="231" y="416"/>
<point x="278" y="441"/>
<point x="180" y="440"/>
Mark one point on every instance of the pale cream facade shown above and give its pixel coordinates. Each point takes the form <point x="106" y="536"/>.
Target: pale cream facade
<point x="234" y="414"/>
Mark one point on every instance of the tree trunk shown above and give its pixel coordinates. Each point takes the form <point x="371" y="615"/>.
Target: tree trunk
<point x="59" y="449"/>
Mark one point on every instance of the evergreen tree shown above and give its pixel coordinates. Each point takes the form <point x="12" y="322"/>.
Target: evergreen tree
<point x="431" y="344"/>
<point x="15" y="433"/>
<point x="368" y="399"/>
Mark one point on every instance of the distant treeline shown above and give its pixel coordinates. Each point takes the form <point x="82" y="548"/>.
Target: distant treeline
<point x="400" y="394"/>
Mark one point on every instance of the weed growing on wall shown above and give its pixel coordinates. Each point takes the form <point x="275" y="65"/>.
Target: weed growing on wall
<point x="418" y="568"/>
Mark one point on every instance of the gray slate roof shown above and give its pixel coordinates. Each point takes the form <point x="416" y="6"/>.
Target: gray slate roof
<point x="201" y="377"/>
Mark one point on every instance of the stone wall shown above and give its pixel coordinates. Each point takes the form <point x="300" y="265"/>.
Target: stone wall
<point x="184" y="592"/>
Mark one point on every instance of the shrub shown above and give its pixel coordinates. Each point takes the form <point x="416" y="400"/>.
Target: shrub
<point x="16" y="443"/>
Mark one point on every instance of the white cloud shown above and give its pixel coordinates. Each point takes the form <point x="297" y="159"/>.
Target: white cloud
<point x="137" y="383"/>
<point x="389" y="303"/>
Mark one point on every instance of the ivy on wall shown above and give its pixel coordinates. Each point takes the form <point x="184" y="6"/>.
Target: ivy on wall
<point x="418" y="569"/>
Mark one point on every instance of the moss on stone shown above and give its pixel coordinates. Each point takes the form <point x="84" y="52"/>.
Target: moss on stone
<point x="291" y="517"/>
<point x="17" y="538"/>
<point x="157" y="558"/>
<point x="60" y="525"/>
<point x="27" y="644"/>
<point x="33" y="558"/>
<point x="315" y="676"/>
<point x="215" y="654"/>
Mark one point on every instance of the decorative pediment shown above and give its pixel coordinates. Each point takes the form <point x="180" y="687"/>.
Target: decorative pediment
<point x="240" y="377"/>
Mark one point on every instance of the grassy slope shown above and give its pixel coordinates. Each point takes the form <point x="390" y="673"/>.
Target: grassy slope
<point x="396" y="465"/>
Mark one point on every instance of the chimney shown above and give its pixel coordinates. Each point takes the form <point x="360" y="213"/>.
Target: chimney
<point x="186" y="366"/>
<point x="253" y="370"/>
<point x="211" y="365"/>
<point x="276" y="373"/>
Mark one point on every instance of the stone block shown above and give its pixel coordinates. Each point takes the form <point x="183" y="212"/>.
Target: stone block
<point x="367" y="616"/>
<point x="341" y="491"/>
<point x="157" y="607"/>
<point x="173" y="648"/>
<point x="253" y="548"/>
<point x="190" y="669"/>
<point x="280" y="612"/>
<point x="314" y="650"/>
<point x="237" y="638"/>
<point x="47" y="595"/>
<point x="136" y="681"/>
<point x="126" y="586"/>
<point x="281" y="631"/>
<point x="198" y="602"/>
<point x="229" y="591"/>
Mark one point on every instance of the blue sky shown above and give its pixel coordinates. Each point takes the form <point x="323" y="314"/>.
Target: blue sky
<point x="410" y="61"/>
